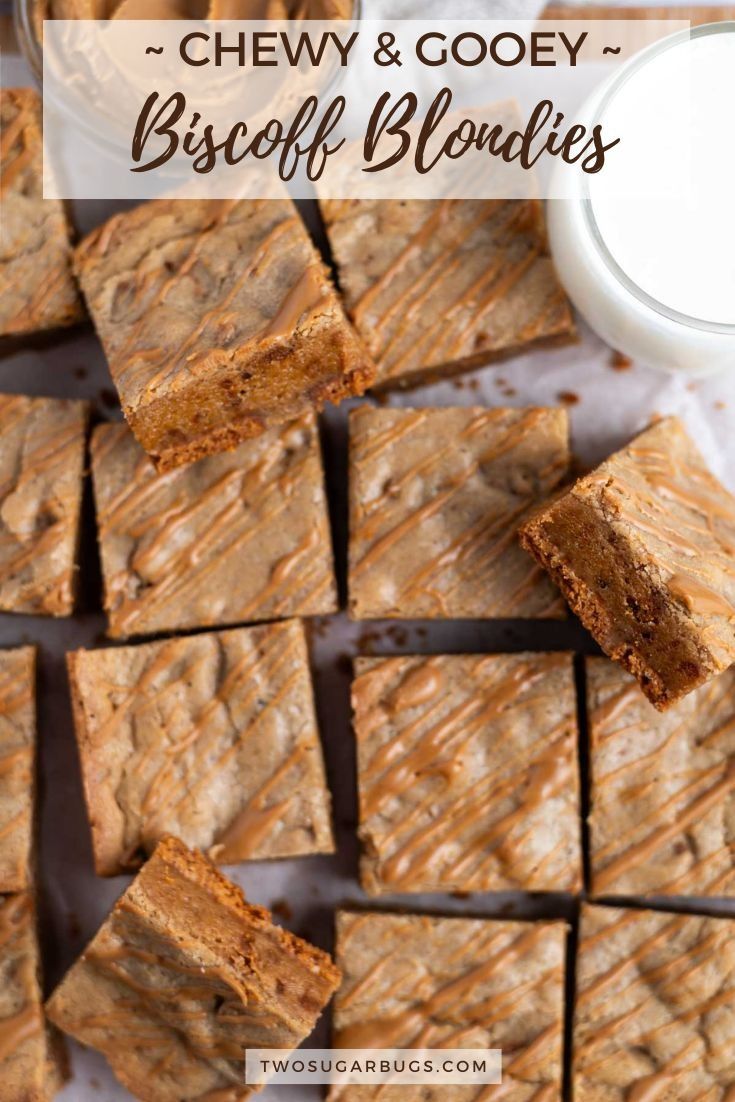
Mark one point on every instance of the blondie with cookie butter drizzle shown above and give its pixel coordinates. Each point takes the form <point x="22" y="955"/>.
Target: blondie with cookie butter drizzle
<point x="414" y="981"/>
<point x="219" y="320"/>
<point x="644" y="551"/>
<point x="467" y="773"/>
<point x="230" y="539"/>
<point x="436" y="497"/>
<point x="653" y="1016"/>
<point x="663" y="788"/>
<point x="17" y="767"/>
<point x="441" y="286"/>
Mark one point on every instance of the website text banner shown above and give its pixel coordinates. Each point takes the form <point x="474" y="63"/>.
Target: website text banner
<point x="359" y="1066"/>
<point x="370" y="110"/>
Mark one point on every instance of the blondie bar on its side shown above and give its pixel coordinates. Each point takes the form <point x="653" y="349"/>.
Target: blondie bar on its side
<point x="436" y="497"/>
<point x="233" y="538"/>
<point x="218" y="319"/>
<point x="183" y="976"/>
<point x="663" y="788"/>
<point x="654" y="1015"/>
<point x="436" y="287"/>
<point x="17" y="767"/>
<point x="32" y="1055"/>
<point x="37" y="288"/>
<point x="412" y="981"/>
<point x="209" y="737"/>
<point x="643" y="549"/>
<point x="467" y="773"/>
<point x="42" y="444"/>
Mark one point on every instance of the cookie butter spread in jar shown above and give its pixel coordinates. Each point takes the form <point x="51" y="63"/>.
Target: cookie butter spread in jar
<point x="646" y="247"/>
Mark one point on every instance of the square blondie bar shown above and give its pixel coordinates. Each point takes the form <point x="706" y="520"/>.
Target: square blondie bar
<point x="436" y="496"/>
<point x="183" y="976"/>
<point x="643" y="549"/>
<point x="412" y="981"/>
<point x="33" y="1064"/>
<point x="37" y="287"/>
<point x="42" y="442"/>
<point x="209" y="737"/>
<point x="663" y="788"/>
<point x="467" y="773"/>
<point x="233" y="538"/>
<point x="17" y="767"/>
<point x="654" y="1007"/>
<point x="218" y="319"/>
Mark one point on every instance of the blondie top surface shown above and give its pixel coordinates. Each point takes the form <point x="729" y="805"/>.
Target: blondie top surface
<point x="412" y="981"/>
<point x="210" y="737"/>
<point x="41" y="479"/>
<point x="644" y="551"/>
<point x="235" y="537"/>
<point x="37" y="288"/>
<point x="218" y="319"/>
<point x="185" y="965"/>
<point x="440" y="286"/>
<point x="436" y="496"/>
<point x="32" y="1059"/>
<point x="17" y="767"/>
<point x="467" y="773"/>
<point x="663" y="788"/>
<point x="654" y="1007"/>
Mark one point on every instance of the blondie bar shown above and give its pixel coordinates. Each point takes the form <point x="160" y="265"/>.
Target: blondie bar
<point x="17" y="767"/>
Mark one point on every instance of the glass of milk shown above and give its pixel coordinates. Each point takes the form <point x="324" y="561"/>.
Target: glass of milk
<point x="646" y="247"/>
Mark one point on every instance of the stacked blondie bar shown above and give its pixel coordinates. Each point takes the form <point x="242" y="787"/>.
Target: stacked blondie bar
<point x="610" y="780"/>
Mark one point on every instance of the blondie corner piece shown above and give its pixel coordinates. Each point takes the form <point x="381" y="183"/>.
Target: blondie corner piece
<point x="33" y="1063"/>
<point x="663" y="788"/>
<point x="37" y="288"/>
<point x="17" y="767"/>
<point x="643" y="549"/>
<point x="467" y="773"/>
<point x="183" y="976"/>
<point x="233" y="538"/>
<point x="442" y="286"/>
<point x="42" y="443"/>
<point x="411" y="981"/>
<point x="436" y="496"/>
<point x="218" y="319"/>
<point x="654" y="1007"/>
<point x="210" y="737"/>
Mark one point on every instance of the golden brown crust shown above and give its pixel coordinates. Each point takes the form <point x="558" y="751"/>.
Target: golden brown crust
<point x="643" y="549"/>
<point x="218" y="320"/>
<point x="467" y="773"/>
<point x="186" y="965"/>
<point x="37" y="289"/>
<point x="435" y="499"/>
<point x="17" y="767"/>
<point x="442" y="286"/>
<point x="212" y="737"/>
<point x="252" y="537"/>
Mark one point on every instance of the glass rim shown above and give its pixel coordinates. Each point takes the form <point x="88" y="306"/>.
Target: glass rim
<point x="628" y="71"/>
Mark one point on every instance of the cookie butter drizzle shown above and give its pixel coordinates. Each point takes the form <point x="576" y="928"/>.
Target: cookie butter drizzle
<point x="161" y="767"/>
<point x="46" y="268"/>
<point x="473" y="1004"/>
<point x="640" y="995"/>
<point x="448" y="799"/>
<point x="389" y="314"/>
<point x="701" y="735"/>
<point x="16" y="761"/>
<point x="217" y="335"/>
<point x="40" y="503"/>
<point x="467" y="565"/>
<point x="168" y="542"/>
<point x="20" y="986"/>
<point x="660" y="487"/>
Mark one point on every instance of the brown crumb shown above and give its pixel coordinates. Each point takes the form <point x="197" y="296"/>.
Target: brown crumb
<point x="282" y="909"/>
<point x="80" y="373"/>
<point x="720" y="405"/>
<point x="474" y="384"/>
<point x="109" y="398"/>
<point x="620" y="362"/>
<point x="458" y="384"/>
<point x="568" y="397"/>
